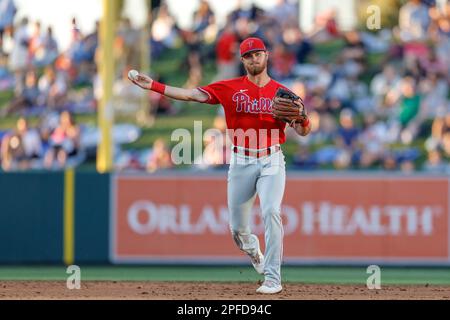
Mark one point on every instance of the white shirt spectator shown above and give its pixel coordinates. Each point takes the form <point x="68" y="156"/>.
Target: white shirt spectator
<point x="382" y="83"/>
<point x="435" y="92"/>
<point x="32" y="144"/>
<point x="340" y="90"/>
<point x="7" y="13"/>
<point x="163" y="28"/>
<point x="284" y="11"/>
<point x="413" y="21"/>
<point x="19" y="55"/>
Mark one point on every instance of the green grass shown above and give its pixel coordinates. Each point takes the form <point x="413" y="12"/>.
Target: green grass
<point x="310" y="275"/>
<point x="5" y="96"/>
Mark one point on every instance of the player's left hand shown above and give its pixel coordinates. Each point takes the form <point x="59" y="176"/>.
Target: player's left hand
<point x="289" y="111"/>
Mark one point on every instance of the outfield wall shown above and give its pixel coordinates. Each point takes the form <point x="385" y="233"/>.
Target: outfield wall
<point x="31" y="206"/>
<point x="329" y="218"/>
<point x="33" y="214"/>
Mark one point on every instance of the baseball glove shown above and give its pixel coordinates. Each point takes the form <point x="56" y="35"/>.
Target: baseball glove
<point x="288" y="107"/>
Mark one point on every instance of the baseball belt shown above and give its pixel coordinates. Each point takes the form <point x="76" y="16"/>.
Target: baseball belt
<point x="257" y="153"/>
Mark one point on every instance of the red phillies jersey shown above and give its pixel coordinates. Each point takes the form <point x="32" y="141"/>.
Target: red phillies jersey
<point x="248" y="111"/>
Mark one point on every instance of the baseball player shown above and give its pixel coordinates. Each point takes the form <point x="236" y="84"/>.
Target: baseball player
<point x="256" y="119"/>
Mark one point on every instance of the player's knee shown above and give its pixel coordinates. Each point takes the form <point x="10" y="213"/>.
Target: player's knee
<point x="270" y="211"/>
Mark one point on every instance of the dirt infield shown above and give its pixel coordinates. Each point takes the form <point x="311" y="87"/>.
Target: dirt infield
<point x="30" y="290"/>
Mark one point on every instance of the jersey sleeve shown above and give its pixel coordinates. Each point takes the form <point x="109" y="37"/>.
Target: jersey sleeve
<point x="213" y="91"/>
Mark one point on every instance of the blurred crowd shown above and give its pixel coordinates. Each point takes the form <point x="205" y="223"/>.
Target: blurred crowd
<point x="53" y="85"/>
<point x="377" y="99"/>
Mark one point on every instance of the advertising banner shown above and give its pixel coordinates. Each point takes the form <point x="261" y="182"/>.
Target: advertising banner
<point x="326" y="219"/>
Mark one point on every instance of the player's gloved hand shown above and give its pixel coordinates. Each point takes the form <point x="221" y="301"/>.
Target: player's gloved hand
<point x="142" y="80"/>
<point x="289" y="111"/>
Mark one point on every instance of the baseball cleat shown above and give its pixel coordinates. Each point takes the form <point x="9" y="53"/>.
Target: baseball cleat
<point x="269" y="287"/>
<point x="258" y="262"/>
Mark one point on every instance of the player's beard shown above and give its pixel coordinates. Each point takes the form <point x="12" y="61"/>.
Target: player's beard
<point x="255" y="69"/>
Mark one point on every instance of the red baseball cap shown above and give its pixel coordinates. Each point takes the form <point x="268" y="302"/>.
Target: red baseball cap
<point x="251" y="44"/>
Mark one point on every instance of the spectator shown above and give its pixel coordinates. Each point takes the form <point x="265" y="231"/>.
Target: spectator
<point x="90" y="43"/>
<point x="243" y="28"/>
<point x="296" y="42"/>
<point x="434" y="89"/>
<point x="195" y="70"/>
<point x="7" y="13"/>
<point x="409" y="101"/>
<point x="343" y="160"/>
<point x="389" y="162"/>
<point x="359" y="95"/>
<point x="283" y="63"/>
<point x="47" y="52"/>
<point x="18" y="60"/>
<point x="381" y="84"/>
<point x="413" y="21"/>
<point x="435" y="163"/>
<point x="323" y="128"/>
<point x="226" y="50"/>
<point x="303" y="160"/>
<point x="35" y="41"/>
<point x="203" y="17"/>
<point x="445" y="143"/>
<point x="347" y="135"/>
<point x="325" y="27"/>
<point x="128" y="43"/>
<point x="372" y="140"/>
<point x="339" y="93"/>
<point x="354" y="48"/>
<point x="439" y="129"/>
<point x="27" y="99"/>
<point x="440" y="126"/>
<point x="441" y="40"/>
<point x="21" y="147"/>
<point x="163" y="31"/>
<point x="160" y="157"/>
<point x="239" y="12"/>
<point x="432" y="64"/>
<point x="406" y="101"/>
<point x="53" y="89"/>
<point x="75" y="52"/>
<point x="407" y="166"/>
<point x="214" y="153"/>
<point x="64" y="142"/>
<point x="6" y="79"/>
<point x="317" y="78"/>
<point x="284" y="12"/>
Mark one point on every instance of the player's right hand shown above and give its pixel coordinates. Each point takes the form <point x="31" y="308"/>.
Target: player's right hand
<point x="142" y="80"/>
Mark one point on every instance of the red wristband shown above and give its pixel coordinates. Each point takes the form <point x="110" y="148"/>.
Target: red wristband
<point x="305" y="123"/>
<point x="158" y="87"/>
